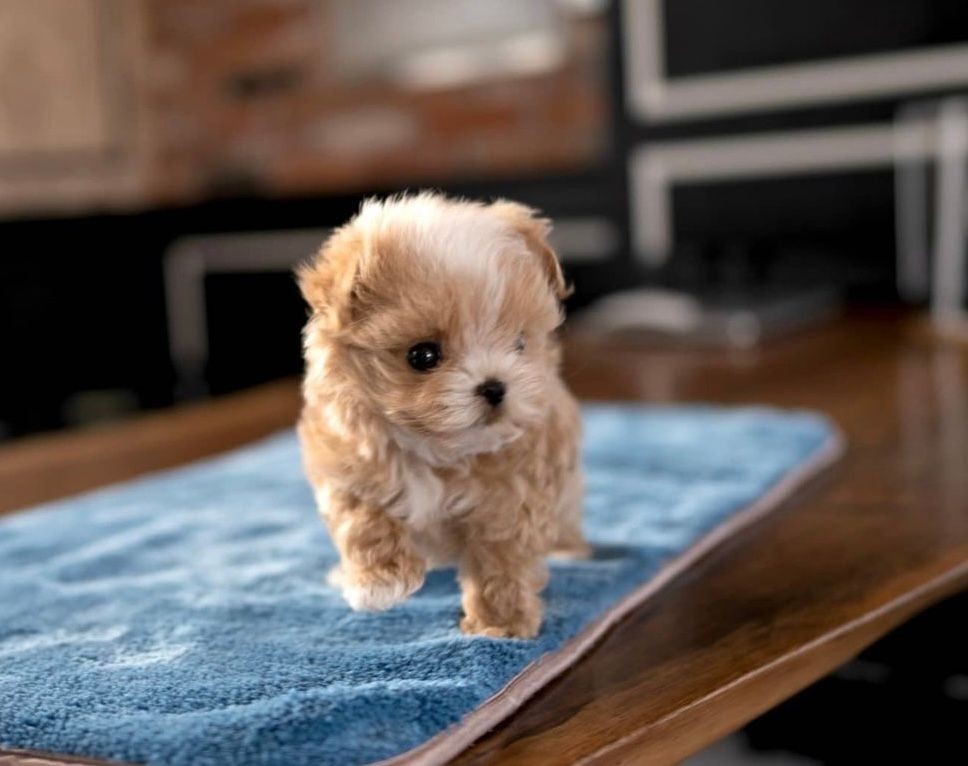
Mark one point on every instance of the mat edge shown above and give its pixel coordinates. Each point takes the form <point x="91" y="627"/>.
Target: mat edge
<point x="454" y="740"/>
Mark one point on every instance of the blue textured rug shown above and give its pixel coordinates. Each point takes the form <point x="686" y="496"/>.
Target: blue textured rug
<point x="183" y="618"/>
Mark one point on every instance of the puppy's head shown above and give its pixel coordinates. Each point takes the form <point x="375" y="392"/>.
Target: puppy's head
<point x="442" y="315"/>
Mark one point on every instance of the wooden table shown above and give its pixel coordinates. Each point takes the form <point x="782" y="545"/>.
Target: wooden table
<point x="878" y="538"/>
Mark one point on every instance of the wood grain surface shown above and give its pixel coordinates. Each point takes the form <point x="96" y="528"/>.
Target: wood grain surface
<point x="878" y="538"/>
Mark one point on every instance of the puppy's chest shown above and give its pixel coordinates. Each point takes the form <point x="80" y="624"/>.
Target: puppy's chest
<point x="430" y="496"/>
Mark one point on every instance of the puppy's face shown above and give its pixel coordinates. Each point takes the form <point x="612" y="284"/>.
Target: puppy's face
<point x="443" y="314"/>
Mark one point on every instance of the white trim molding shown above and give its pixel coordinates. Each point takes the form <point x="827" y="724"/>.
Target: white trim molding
<point x="950" y="271"/>
<point x="917" y="136"/>
<point x="652" y="96"/>
<point x="186" y="264"/>
<point x="656" y="168"/>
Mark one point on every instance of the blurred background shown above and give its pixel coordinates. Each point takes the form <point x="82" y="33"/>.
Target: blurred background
<point x="720" y="172"/>
<point x="750" y="165"/>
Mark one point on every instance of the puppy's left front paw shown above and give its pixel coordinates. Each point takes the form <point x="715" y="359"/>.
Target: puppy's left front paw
<point x="377" y="596"/>
<point x="377" y="590"/>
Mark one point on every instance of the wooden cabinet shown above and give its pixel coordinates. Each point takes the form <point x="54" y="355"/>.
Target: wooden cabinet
<point x="70" y="119"/>
<point x="53" y="98"/>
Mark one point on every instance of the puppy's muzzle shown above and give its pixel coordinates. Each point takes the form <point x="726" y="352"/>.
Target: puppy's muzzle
<point x="493" y="391"/>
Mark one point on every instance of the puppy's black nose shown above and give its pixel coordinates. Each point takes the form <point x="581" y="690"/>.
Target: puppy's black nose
<point x="493" y="391"/>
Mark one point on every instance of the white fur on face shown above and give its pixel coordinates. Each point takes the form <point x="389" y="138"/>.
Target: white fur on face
<point x="472" y="426"/>
<point x="525" y="380"/>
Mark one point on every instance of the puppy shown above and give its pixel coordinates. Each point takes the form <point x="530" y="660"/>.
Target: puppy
<point x="436" y="429"/>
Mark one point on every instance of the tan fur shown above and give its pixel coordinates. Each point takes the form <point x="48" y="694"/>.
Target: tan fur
<point x="414" y="469"/>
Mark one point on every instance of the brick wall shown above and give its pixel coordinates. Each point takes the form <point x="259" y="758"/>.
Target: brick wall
<point x="244" y="98"/>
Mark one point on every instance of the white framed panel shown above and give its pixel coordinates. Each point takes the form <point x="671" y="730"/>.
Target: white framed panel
<point x="654" y="97"/>
<point x="657" y="168"/>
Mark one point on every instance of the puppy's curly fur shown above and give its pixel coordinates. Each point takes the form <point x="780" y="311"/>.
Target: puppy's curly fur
<point x="416" y="303"/>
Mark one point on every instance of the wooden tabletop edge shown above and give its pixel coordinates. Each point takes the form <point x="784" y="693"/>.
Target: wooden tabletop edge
<point x="854" y="636"/>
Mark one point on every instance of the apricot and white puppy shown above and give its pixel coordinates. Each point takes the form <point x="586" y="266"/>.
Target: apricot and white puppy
<point x="436" y="428"/>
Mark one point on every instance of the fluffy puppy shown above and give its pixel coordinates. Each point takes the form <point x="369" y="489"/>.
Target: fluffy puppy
<point x="436" y="428"/>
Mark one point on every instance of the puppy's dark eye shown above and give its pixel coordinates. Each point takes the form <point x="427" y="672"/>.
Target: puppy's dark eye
<point x="424" y="356"/>
<point x="519" y="343"/>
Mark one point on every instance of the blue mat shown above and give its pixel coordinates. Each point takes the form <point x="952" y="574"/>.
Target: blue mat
<point x="184" y="619"/>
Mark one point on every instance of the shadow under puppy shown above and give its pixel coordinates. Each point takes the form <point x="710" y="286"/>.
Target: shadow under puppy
<point x="436" y="429"/>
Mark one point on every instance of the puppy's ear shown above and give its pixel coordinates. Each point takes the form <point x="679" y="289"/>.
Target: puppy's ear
<point x="535" y="229"/>
<point x="327" y="280"/>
